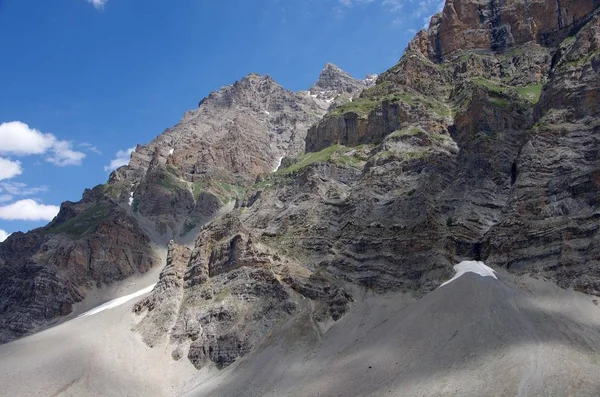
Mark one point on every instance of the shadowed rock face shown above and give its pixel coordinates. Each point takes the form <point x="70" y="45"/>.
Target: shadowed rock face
<point x="550" y="224"/>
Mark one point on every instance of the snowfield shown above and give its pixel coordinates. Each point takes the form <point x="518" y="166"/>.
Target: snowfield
<point x="471" y="267"/>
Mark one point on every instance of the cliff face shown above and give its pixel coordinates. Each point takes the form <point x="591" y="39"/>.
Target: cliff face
<point x="550" y="223"/>
<point x="497" y="25"/>
<point x="500" y="141"/>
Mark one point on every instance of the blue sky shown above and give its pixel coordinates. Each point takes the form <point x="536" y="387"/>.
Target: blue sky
<point x="84" y="79"/>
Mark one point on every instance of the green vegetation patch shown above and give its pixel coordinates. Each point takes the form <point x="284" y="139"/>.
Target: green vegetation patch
<point x="490" y="86"/>
<point x="501" y="94"/>
<point x="361" y="106"/>
<point x="84" y="223"/>
<point x="576" y="63"/>
<point x="310" y="158"/>
<point x="336" y="154"/>
<point x="196" y="189"/>
<point x="115" y="190"/>
<point x="531" y="92"/>
<point x="168" y="181"/>
<point x="233" y="189"/>
<point x="411" y="131"/>
<point x="372" y="100"/>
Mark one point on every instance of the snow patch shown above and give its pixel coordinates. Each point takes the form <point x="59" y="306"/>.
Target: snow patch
<point x="472" y="267"/>
<point x="116" y="302"/>
<point x="278" y="164"/>
<point x="267" y="113"/>
<point x="130" y="198"/>
<point x="171" y="151"/>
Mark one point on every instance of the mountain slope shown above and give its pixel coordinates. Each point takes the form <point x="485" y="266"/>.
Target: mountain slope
<point x="476" y="335"/>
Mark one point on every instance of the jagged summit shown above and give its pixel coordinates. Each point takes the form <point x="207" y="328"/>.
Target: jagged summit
<point x="332" y="78"/>
<point x="336" y="85"/>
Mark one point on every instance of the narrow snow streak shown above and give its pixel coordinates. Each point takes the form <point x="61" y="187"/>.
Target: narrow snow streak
<point x="130" y="198"/>
<point x="472" y="267"/>
<point x="278" y="164"/>
<point x="116" y="302"/>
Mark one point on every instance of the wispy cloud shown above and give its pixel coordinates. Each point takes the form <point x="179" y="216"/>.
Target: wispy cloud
<point x="122" y="158"/>
<point x="98" y="4"/>
<point x="89" y="147"/>
<point x="21" y="189"/>
<point x="402" y="10"/>
<point x="8" y="190"/>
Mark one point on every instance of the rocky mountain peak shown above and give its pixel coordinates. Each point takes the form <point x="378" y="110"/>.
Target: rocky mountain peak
<point x="336" y="85"/>
<point x="332" y="78"/>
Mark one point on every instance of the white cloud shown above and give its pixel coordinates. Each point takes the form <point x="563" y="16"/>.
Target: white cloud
<point x="28" y="210"/>
<point x="121" y="159"/>
<point x="3" y="235"/>
<point x="19" y="139"/>
<point x="98" y="4"/>
<point x="9" y="169"/>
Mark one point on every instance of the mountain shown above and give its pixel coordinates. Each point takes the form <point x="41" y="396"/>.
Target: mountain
<point x="313" y="232"/>
<point x="186" y="176"/>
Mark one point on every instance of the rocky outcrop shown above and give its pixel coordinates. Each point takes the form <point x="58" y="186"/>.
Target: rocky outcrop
<point x="162" y="306"/>
<point x="219" y="302"/>
<point x="496" y="25"/>
<point x="45" y="271"/>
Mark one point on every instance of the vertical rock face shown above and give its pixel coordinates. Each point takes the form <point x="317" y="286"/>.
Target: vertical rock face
<point x="496" y="24"/>
<point x="550" y="224"/>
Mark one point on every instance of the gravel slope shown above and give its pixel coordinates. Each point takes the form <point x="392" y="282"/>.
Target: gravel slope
<point x="471" y="337"/>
